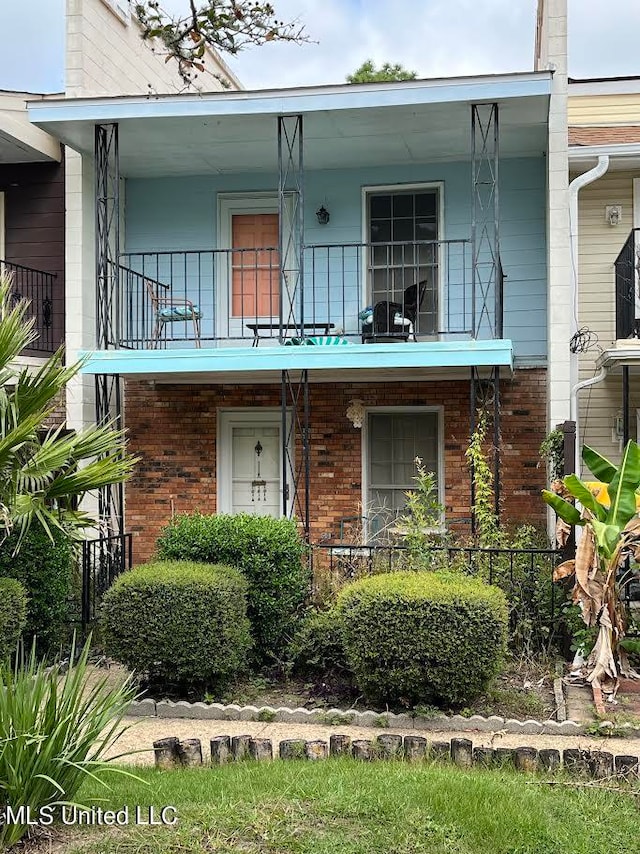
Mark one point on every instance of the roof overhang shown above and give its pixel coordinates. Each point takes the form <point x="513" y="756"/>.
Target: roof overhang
<point x="626" y="354"/>
<point x="21" y="141"/>
<point x="346" y="125"/>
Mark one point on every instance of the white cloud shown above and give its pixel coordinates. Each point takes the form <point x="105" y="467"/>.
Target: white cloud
<point x="432" y="37"/>
<point x="439" y="38"/>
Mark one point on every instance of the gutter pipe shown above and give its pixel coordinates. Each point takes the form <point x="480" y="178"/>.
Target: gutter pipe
<point x="574" y="188"/>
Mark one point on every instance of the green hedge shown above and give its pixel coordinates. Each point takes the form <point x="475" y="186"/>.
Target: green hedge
<point x="180" y="623"/>
<point x="45" y="569"/>
<point x="13" y="615"/>
<point x="269" y="552"/>
<point x="317" y="649"/>
<point x="423" y="637"/>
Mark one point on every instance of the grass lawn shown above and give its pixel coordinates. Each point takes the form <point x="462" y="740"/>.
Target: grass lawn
<point x="341" y="806"/>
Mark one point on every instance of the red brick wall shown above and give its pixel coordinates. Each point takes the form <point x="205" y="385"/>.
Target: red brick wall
<point x="173" y="429"/>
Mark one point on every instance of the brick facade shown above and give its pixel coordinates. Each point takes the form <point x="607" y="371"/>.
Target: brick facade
<point x="173" y="429"/>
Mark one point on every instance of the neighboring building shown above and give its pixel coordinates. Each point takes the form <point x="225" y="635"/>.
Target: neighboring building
<point x="46" y="238"/>
<point x="604" y="156"/>
<point x="32" y="220"/>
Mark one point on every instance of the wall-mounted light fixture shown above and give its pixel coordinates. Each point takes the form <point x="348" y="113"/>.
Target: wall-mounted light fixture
<point x="613" y="214"/>
<point x="355" y="412"/>
<point x="323" y="215"/>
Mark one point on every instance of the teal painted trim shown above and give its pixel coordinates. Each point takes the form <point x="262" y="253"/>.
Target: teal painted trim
<point x="436" y="354"/>
<point x="283" y="101"/>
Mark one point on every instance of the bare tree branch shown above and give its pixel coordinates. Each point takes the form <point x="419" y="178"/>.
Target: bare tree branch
<point x="228" y="26"/>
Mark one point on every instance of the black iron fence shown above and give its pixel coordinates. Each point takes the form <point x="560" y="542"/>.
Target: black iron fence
<point x="361" y="291"/>
<point x="627" y="293"/>
<point x="35" y="286"/>
<point x="103" y="560"/>
<point x="525" y="576"/>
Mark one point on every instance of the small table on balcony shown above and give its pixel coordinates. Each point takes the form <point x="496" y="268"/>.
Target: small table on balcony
<point x="257" y="328"/>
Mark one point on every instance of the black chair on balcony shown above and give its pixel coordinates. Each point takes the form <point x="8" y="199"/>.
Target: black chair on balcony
<point x="395" y="320"/>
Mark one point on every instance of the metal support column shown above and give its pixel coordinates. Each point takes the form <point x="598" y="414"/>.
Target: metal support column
<point x="291" y="224"/>
<point x="108" y="305"/>
<point x="294" y="385"/>
<point x="487" y="297"/>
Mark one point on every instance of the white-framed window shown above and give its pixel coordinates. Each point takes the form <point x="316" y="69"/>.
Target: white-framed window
<point x="393" y="438"/>
<point x="402" y="227"/>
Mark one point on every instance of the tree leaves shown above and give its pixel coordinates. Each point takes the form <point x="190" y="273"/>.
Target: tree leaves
<point x="579" y="491"/>
<point x="623" y="485"/>
<point x="602" y="468"/>
<point x="225" y="25"/>
<point x="563" y="508"/>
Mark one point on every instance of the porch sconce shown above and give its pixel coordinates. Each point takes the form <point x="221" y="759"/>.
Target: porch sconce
<point x="613" y="214"/>
<point x="355" y="412"/>
<point x="323" y="216"/>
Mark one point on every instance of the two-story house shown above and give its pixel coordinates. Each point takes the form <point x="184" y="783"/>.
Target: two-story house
<point x="299" y="291"/>
<point x="604" y="159"/>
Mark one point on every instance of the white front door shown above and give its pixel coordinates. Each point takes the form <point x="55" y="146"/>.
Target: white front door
<point x="255" y="469"/>
<point x="250" y="463"/>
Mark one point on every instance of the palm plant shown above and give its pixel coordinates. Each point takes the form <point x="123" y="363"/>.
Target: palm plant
<point x="55" y="730"/>
<point x="610" y="534"/>
<point x="43" y="472"/>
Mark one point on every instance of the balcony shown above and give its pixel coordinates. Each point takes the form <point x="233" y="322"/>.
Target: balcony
<point x="356" y="292"/>
<point x="36" y="287"/>
<point x="627" y="265"/>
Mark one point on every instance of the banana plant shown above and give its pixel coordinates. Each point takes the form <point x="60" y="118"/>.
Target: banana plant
<point x="610" y="533"/>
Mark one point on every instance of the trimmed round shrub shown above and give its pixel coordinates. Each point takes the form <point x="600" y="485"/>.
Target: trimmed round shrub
<point x="13" y="615"/>
<point x="44" y="566"/>
<point x="423" y="637"/>
<point x="181" y="623"/>
<point x="271" y="555"/>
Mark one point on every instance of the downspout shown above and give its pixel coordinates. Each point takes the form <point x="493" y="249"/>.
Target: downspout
<point x="574" y="188"/>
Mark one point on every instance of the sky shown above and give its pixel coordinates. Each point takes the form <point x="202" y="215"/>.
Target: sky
<point x="432" y="37"/>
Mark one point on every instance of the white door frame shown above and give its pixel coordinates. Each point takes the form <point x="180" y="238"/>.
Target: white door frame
<point x="226" y="420"/>
<point x="228" y="205"/>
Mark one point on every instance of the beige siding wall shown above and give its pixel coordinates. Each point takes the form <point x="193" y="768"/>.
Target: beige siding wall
<point x="106" y="56"/>
<point x="599" y="245"/>
<point x="601" y="110"/>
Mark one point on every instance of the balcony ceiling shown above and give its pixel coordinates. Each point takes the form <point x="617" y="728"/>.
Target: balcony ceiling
<point x="344" y="126"/>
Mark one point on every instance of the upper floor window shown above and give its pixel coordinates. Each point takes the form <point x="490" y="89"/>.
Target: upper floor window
<point x="403" y="229"/>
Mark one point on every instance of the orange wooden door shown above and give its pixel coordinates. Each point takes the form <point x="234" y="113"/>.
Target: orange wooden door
<point x="255" y="270"/>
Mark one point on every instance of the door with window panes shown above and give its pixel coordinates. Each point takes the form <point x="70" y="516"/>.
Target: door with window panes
<point x="394" y="441"/>
<point x="403" y="251"/>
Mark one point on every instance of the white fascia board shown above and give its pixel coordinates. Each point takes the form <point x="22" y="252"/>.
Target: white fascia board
<point x="295" y="101"/>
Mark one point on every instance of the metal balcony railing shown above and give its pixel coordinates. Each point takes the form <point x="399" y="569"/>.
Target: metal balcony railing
<point x="35" y="286"/>
<point x="366" y="292"/>
<point x="627" y="266"/>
